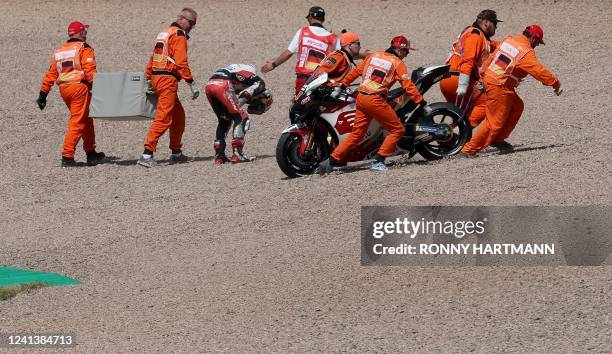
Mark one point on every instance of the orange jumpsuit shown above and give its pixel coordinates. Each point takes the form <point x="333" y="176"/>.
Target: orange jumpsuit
<point x="379" y="72"/>
<point x="469" y="52"/>
<point x="72" y="68"/>
<point x="511" y="62"/>
<point x="336" y="64"/>
<point x="166" y="67"/>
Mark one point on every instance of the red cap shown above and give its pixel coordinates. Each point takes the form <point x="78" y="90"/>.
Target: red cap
<point x="76" y="27"/>
<point x="401" y="42"/>
<point x="537" y="32"/>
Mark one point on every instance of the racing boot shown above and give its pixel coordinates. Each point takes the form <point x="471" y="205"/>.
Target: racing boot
<point x="238" y="156"/>
<point x="220" y="157"/>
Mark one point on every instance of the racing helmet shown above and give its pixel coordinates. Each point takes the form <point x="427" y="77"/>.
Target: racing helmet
<point x="261" y="103"/>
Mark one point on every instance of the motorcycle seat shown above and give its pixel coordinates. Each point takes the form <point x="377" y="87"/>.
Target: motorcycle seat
<point x="395" y="93"/>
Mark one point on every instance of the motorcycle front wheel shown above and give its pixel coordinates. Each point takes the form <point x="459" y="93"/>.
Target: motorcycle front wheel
<point x="295" y="164"/>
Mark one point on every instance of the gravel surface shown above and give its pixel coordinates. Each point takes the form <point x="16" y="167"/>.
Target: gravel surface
<point x="238" y="258"/>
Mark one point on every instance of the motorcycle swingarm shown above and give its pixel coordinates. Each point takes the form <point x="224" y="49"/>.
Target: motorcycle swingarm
<point x="425" y="132"/>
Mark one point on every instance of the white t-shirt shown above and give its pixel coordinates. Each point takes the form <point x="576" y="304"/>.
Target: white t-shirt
<point x="319" y="31"/>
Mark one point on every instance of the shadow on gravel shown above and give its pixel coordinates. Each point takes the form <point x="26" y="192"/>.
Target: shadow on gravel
<point x="400" y="163"/>
<point x="522" y="148"/>
<point x="191" y="159"/>
<point x="365" y="166"/>
<point x="261" y="157"/>
<point x="81" y="164"/>
<point x="118" y="161"/>
<point x="78" y="165"/>
<point x="403" y="162"/>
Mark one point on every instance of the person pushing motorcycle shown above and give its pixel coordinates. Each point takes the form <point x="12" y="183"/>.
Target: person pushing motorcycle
<point x="511" y="62"/>
<point x="469" y="52"/>
<point x="340" y="62"/>
<point x="379" y="71"/>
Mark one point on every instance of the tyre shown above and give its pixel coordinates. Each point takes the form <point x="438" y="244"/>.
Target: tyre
<point x="292" y="162"/>
<point x="447" y="114"/>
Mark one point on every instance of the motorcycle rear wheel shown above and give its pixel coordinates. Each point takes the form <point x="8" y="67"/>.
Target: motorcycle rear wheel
<point x="445" y="113"/>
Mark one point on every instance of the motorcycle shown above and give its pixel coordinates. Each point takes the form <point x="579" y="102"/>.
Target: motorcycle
<point x="322" y="116"/>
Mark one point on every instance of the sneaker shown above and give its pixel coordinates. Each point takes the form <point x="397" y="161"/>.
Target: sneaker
<point x="94" y="158"/>
<point x="379" y="166"/>
<point x="325" y="167"/>
<point x="179" y="158"/>
<point x="146" y="162"/>
<point x="68" y="162"/>
<point x="221" y="159"/>
<point x="504" y="147"/>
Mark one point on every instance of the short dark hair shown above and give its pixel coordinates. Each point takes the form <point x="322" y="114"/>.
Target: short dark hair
<point x="191" y="11"/>
<point x="490" y="15"/>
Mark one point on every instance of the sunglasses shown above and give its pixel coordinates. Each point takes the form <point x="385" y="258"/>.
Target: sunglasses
<point x="192" y="23"/>
<point x="356" y="43"/>
<point x="406" y="49"/>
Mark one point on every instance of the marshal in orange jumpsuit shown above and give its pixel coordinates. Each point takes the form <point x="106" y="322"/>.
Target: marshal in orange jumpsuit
<point x="72" y="68"/>
<point x="470" y="51"/>
<point x="337" y="65"/>
<point x="511" y="62"/>
<point x="379" y="72"/>
<point x="166" y="67"/>
<point x="340" y="62"/>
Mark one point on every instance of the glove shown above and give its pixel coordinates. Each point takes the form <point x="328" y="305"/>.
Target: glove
<point x="150" y="90"/>
<point x="464" y="83"/>
<point x="558" y="91"/>
<point x="350" y="91"/>
<point x="426" y="109"/>
<point x="479" y="86"/>
<point x="336" y="92"/>
<point x="254" y="90"/>
<point x="248" y="93"/>
<point x="42" y="100"/>
<point x="194" y="90"/>
<point x="242" y="101"/>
